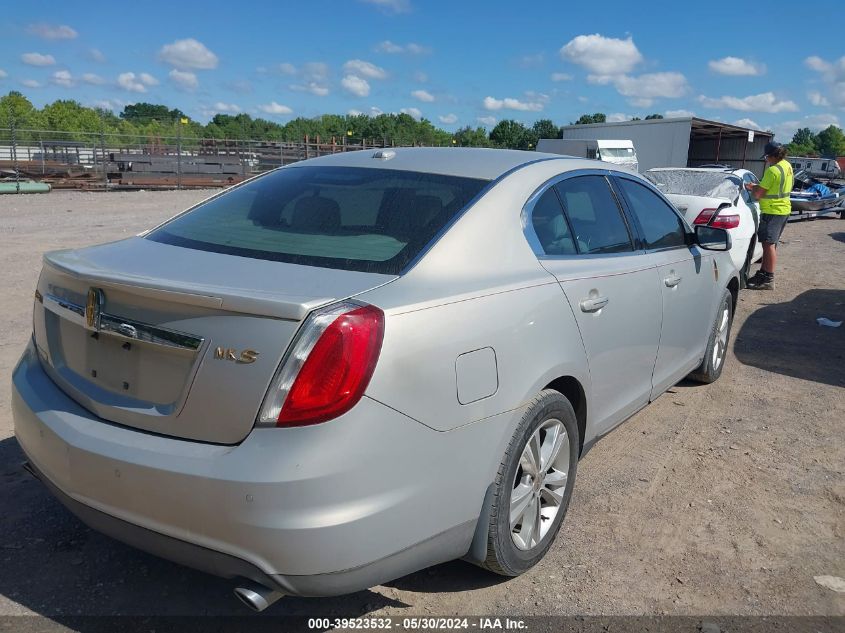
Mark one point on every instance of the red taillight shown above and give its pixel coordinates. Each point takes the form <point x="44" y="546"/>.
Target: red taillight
<point x="705" y="216"/>
<point x="725" y="221"/>
<point x="328" y="367"/>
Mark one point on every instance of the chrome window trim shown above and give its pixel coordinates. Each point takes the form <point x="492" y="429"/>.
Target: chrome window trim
<point x="123" y="328"/>
<point x="528" y="210"/>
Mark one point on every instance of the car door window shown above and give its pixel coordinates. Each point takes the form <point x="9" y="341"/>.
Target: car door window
<point x="594" y="215"/>
<point x="746" y="195"/>
<point x="550" y="226"/>
<point x="660" y="224"/>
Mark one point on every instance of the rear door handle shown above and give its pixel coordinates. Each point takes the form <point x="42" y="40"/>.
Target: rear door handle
<point x="593" y="304"/>
<point x="672" y="280"/>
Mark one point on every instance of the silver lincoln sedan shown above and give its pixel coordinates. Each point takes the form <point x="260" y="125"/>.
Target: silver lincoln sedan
<point x="361" y="365"/>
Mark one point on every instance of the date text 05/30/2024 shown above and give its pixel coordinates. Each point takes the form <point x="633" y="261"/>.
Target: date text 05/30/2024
<point x="425" y="623"/>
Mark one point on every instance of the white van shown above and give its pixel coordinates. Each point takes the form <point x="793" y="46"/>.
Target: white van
<point x="617" y="152"/>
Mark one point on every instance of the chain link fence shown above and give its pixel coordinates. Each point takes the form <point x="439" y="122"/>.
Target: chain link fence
<point x="106" y="161"/>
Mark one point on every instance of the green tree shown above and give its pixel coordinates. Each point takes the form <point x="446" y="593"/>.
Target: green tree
<point x="651" y="117"/>
<point x="143" y="112"/>
<point x="545" y="128"/>
<point x="511" y="134"/>
<point x="15" y="105"/>
<point x="598" y="117"/>
<point x="831" y="142"/>
<point x="468" y="137"/>
<point x="804" y="143"/>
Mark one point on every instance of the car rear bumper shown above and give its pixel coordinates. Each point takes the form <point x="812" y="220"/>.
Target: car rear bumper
<point x="318" y="510"/>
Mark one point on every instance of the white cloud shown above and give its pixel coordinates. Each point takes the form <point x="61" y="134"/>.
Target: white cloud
<point x="315" y="71"/>
<point x="275" y="108"/>
<point x="561" y="77"/>
<point x="226" y="108"/>
<point x="94" y="80"/>
<point x="188" y="53"/>
<point x="374" y="111"/>
<point x="31" y="83"/>
<point x="313" y="87"/>
<point x="602" y="55"/>
<point x="748" y="123"/>
<point x="414" y="112"/>
<point x="63" y="78"/>
<point x="817" y="98"/>
<point x="816" y="122"/>
<point x="423" y="95"/>
<point x="96" y="55"/>
<point x="390" y="6"/>
<point x="354" y="112"/>
<point x="148" y="80"/>
<point x="286" y="69"/>
<point x="37" y="59"/>
<point x="448" y="119"/>
<point x="678" y="114"/>
<point x="489" y="121"/>
<point x="833" y="76"/>
<point x="392" y="48"/>
<point x="3" y="74"/>
<point x="643" y="89"/>
<point x="389" y="47"/>
<point x="131" y="82"/>
<point x="52" y="32"/>
<point x="508" y="103"/>
<point x="764" y="102"/>
<point x="184" y="80"/>
<point x="816" y="63"/>
<point x="417" y="49"/>
<point x="618" y="117"/>
<point x="355" y="85"/>
<point x="364" y="69"/>
<point x="736" y="66"/>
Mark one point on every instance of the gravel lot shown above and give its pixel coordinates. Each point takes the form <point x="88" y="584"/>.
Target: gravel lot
<point x="719" y="500"/>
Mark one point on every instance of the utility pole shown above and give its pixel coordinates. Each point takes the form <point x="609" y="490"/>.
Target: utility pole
<point x="103" y="152"/>
<point x="14" y="151"/>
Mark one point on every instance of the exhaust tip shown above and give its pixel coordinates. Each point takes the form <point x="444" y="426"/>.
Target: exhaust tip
<point x="30" y="469"/>
<point x="256" y="597"/>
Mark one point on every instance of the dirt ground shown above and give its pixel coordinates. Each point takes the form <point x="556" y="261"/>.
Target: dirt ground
<point x="715" y="500"/>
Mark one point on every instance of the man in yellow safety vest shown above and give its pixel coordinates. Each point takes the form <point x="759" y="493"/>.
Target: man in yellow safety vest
<point x="773" y="194"/>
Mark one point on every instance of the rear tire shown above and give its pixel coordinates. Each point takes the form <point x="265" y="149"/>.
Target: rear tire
<point x="717" y="345"/>
<point x="533" y="485"/>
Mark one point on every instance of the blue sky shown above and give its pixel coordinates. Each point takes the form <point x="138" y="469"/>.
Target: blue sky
<point x="455" y="63"/>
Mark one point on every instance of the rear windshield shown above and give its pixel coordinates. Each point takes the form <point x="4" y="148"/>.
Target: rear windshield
<point x="351" y="218"/>
<point x="710" y="184"/>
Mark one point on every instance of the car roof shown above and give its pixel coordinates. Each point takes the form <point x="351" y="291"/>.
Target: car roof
<point x="466" y="162"/>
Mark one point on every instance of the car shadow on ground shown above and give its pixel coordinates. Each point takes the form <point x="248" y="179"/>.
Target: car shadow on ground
<point x="54" y="565"/>
<point x="786" y="339"/>
<point x="839" y="237"/>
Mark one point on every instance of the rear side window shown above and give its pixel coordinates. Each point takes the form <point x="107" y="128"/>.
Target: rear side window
<point x="550" y="226"/>
<point x="661" y="226"/>
<point x="371" y="220"/>
<point x="594" y="215"/>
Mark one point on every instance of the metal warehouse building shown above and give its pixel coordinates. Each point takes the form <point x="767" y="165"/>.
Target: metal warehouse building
<point x="682" y="142"/>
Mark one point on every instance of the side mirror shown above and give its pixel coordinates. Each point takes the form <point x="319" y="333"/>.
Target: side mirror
<point x="712" y="239"/>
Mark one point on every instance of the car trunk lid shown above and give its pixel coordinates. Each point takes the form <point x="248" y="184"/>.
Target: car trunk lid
<point x="172" y="340"/>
